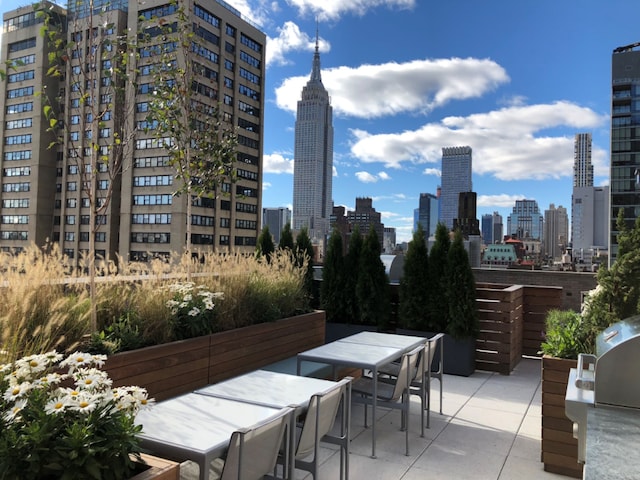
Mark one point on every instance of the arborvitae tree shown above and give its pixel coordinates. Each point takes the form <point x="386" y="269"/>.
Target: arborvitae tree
<point x="332" y="286"/>
<point x="265" y="246"/>
<point x="414" y="285"/>
<point x="304" y="258"/>
<point x="286" y="238"/>
<point x="438" y="308"/>
<point x="460" y="292"/>
<point x="372" y="289"/>
<point x="352" y="270"/>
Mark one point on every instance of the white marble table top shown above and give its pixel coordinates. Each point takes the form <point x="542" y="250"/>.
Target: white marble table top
<point x="272" y="389"/>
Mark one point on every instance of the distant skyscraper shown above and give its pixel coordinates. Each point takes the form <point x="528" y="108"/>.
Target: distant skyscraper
<point x="275" y="219"/>
<point x="582" y="177"/>
<point x="427" y="214"/>
<point x="582" y="167"/>
<point x="456" y="178"/>
<point x="625" y="149"/>
<point x="313" y="157"/>
<point x="556" y="230"/>
<point x="491" y="228"/>
<point x="590" y="221"/>
<point x="525" y="221"/>
<point x="366" y="217"/>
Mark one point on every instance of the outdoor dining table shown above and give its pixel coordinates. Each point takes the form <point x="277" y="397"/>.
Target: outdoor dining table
<point x="367" y="356"/>
<point x="196" y="427"/>
<point x="278" y="390"/>
<point x="405" y="342"/>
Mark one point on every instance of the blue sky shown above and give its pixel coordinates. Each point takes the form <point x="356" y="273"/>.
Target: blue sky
<point x="513" y="80"/>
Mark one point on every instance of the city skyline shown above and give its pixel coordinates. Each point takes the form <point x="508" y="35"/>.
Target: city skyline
<point x="515" y="82"/>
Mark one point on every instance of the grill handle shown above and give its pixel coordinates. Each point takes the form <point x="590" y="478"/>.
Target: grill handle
<point x="586" y="371"/>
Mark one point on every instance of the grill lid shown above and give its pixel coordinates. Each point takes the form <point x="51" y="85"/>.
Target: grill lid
<point x="617" y="371"/>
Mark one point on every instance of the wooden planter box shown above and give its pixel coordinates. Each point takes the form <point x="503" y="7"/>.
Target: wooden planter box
<point x="559" y="448"/>
<point x="159" y="469"/>
<point x="180" y="367"/>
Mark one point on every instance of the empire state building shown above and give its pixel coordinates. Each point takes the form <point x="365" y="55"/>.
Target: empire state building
<point x="313" y="158"/>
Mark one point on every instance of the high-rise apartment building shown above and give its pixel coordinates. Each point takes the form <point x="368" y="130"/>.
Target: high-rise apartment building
<point x="556" y="231"/>
<point x="143" y="218"/>
<point x="491" y="228"/>
<point x="276" y="219"/>
<point x="625" y="140"/>
<point x="313" y="158"/>
<point x="525" y="221"/>
<point x="456" y="178"/>
<point x="582" y="167"/>
<point x="590" y="222"/>
<point x="30" y="169"/>
<point x="427" y="214"/>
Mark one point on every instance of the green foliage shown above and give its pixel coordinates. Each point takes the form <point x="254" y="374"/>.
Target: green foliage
<point x="332" y="289"/>
<point x="71" y="425"/>
<point x="286" y="238"/>
<point x="567" y="335"/>
<point x="304" y="259"/>
<point x="352" y="273"/>
<point x="265" y="246"/>
<point x="438" y="307"/>
<point x="372" y="289"/>
<point x="414" y="285"/>
<point x="618" y="293"/>
<point x="462" y="318"/>
<point x="124" y="334"/>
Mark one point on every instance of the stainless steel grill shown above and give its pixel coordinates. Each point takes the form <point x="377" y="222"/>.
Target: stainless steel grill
<point x="611" y="378"/>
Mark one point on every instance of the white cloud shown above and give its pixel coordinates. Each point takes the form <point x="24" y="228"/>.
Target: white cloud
<point x="432" y="171"/>
<point x="366" y="177"/>
<point x="276" y="163"/>
<point x="290" y="38"/>
<point x="333" y="9"/>
<point x="372" y="91"/>
<point x="256" y="11"/>
<point x="499" y="201"/>
<point x="512" y="143"/>
<point x="266" y="185"/>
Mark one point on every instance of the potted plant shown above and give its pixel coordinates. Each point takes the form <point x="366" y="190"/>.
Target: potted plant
<point x="449" y="303"/>
<point x="61" y="418"/>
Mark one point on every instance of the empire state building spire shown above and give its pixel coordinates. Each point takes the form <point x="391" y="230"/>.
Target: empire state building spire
<point x="315" y="72"/>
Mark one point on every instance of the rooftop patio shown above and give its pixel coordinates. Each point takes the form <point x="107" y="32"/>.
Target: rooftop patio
<point x="490" y="429"/>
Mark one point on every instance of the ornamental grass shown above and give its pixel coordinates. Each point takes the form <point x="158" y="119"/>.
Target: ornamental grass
<point x="44" y="304"/>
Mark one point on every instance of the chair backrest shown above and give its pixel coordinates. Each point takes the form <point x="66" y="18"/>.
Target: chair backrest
<point x="431" y="346"/>
<point x="253" y="451"/>
<point x="407" y="371"/>
<point x="321" y="415"/>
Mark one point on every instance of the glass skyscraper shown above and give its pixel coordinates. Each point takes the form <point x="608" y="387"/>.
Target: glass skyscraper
<point x="625" y="140"/>
<point x="456" y="178"/>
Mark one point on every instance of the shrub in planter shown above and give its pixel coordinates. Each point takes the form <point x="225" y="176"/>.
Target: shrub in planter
<point x="372" y="289"/>
<point x="414" y="285"/>
<point x="460" y="289"/>
<point x="566" y="335"/>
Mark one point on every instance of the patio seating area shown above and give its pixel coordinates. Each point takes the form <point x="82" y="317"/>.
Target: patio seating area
<point x="490" y="429"/>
